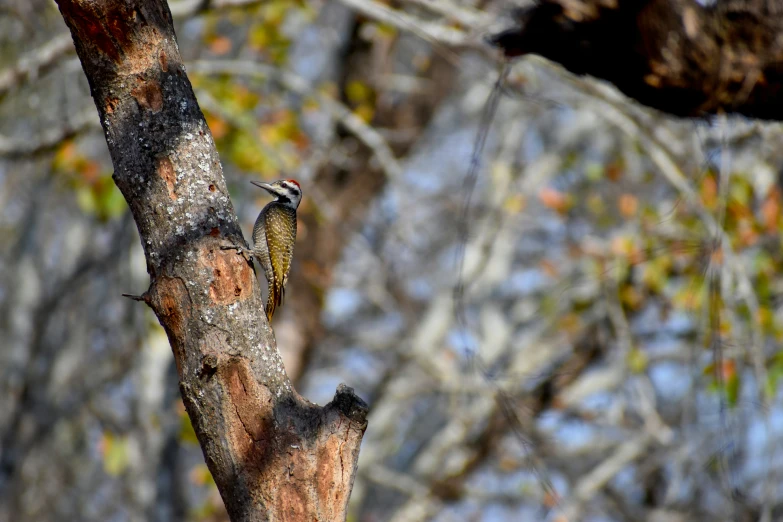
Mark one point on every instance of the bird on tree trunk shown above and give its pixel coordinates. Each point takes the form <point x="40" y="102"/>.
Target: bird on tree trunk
<point x="274" y="235"/>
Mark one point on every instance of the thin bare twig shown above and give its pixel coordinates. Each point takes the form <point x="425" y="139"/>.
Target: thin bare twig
<point x="438" y="32"/>
<point x="185" y="8"/>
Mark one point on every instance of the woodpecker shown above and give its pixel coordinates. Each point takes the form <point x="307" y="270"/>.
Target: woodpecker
<point x="274" y="235"/>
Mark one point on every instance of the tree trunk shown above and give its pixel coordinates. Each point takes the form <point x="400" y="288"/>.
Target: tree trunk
<point x="674" y="55"/>
<point x="274" y="456"/>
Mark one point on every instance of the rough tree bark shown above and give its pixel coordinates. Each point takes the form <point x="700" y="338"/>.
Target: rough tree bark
<point x="674" y="55"/>
<point x="274" y="456"/>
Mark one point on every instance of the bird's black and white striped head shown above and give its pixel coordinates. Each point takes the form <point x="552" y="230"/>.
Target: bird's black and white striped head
<point x="286" y="191"/>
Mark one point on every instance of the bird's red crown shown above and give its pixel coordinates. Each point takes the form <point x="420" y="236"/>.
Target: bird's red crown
<point x="294" y="182"/>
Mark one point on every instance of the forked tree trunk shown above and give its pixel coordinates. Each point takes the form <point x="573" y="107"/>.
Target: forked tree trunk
<point x="274" y="456"/>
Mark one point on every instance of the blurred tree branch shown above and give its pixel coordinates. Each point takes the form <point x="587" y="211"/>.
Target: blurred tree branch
<point x="437" y="32"/>
<point x="273" y="455"/>
<point x="49" y="138"/>
<point x="298" y="85"/>
<point x="38" y="61"/>
<point x="35" y="63"/>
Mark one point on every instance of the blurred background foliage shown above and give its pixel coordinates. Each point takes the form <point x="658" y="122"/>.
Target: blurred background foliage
<point x="614" y="351"/>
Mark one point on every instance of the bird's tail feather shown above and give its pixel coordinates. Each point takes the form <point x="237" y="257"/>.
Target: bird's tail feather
<point x="271" y="303"/>
<point x="274" y="300"/>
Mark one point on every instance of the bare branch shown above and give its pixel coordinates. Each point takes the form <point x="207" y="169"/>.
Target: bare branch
<point x="35" y="63"/>
<point x="185" y="8"/>
<point x="48" y="138"/>
<point x="437" y="32"/>
<point x="453" y="11"/>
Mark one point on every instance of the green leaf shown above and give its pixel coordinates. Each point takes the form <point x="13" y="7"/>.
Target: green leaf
<point x="186" y="432"/>
<point x="115" y="454"/>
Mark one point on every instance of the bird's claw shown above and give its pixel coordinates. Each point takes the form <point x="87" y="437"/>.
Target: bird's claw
<point x="247" y="254"/>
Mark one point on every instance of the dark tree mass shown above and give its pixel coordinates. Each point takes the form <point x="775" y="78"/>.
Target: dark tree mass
<point x="677" y="56"/>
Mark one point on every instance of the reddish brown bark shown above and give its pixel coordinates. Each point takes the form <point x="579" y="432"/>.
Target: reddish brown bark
<point x="274" y="456"/>
<point x="674" y="55"/>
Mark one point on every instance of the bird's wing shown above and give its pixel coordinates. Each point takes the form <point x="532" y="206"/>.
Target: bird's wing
<point x="280" y="238"/>
<point x="260" y="247"/>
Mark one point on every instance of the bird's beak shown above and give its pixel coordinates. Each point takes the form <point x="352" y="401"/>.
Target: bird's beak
<point x="265" y="186"/>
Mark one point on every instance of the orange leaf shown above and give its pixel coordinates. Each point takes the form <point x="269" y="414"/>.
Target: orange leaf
<point x="220" y="45"/>
<point x="218" y="127"/>
<point x="614" y="171"/>
<point x="716" y="256"/>
<point x="548" y="267"/>
<point x="728" y="369"/>
<point x="554" y="199"/>
<point x="90" y="171"/>
<point x="628" y="205"/>
<point x="770" y="210"/>
<point x="748" y="236"/>
<point x="709" y="191"/>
